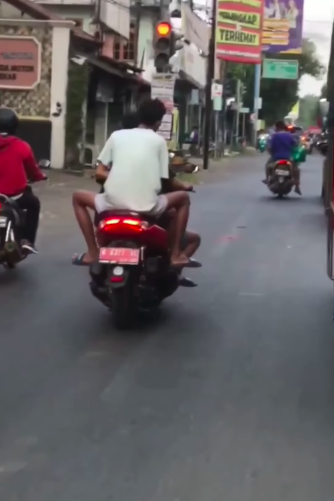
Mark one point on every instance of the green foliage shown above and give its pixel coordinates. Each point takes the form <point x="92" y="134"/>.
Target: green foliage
<point x="76" y="94"/>
<point x="308" y="111"/>
<point x="323" y="94"/>
<point x="278" y="96"/>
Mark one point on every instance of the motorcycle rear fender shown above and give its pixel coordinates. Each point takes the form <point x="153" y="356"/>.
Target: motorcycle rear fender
<point x="126" y="276"/>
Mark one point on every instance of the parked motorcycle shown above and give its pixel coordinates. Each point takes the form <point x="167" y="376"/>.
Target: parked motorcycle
<point x="180" y="162"/>
<point x="262" y="143"/>
<point x="12" y="220"/>
<point x="281" y="181"/>
<point x="133" y="274"/>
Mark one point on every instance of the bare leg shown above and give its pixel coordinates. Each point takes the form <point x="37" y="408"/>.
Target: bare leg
<point x="296" y="175"/>
<point x="193" y="242"/>
<point x="268" y="169"/>
<point x="179" y="200"/>
<point x="82" y="201"/>
<point x="191" y="239"/>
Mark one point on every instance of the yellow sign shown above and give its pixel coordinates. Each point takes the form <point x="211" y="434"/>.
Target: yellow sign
<point x="241" y="18"/>
<point x="234" y="37"/>
<point x="239" y="30"/>
<point x="251" y="3"/>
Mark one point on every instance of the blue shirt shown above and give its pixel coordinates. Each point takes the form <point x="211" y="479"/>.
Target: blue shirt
<point x="282" y="145"/>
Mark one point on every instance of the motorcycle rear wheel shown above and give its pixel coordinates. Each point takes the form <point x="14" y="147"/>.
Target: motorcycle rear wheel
<point x="123" y="311"/>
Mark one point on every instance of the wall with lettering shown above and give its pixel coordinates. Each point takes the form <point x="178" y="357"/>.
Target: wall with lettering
<point x="36" y="101"/>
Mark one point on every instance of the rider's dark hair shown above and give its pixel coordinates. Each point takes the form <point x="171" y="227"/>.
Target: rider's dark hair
<point x="9" y="121"/>
<point x="150" y="112"/>
<point x="130" y="120"/>
<point x="280" y="125"/>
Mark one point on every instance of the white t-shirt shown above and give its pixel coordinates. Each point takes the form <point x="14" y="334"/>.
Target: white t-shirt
<point x="139" y="160"/>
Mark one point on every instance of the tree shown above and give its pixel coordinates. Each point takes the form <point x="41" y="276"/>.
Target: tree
<point x="323" y="94"/>
<point x="308" y="110"/>
<point x="279" y="96"/>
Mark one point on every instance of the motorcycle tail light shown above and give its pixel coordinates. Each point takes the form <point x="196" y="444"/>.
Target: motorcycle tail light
<point x="116" y="280"/>
<point x="283" y="162"/>
<point x="114" y="223"/>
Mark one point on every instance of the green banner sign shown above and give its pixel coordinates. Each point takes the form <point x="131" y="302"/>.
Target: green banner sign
<point x="279" y="69"/>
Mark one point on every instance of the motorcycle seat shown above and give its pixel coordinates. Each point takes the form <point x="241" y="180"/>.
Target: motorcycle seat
<point x="12" y="205"/>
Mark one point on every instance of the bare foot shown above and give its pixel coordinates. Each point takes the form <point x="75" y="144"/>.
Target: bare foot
<point x="84" y="259"/>
<point x="180" y="260"/>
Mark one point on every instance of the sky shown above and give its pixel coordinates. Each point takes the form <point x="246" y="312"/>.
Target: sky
<point x="318" y="19"/>
<point x="318" y="22"/>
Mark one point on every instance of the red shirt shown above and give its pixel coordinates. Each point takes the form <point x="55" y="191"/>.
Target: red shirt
<point x="17" y="165"/>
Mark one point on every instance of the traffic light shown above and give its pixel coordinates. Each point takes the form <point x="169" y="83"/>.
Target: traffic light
<point x="166" y="43"/>
<point x="229" y="85"/>
<point x="162" y="46"/>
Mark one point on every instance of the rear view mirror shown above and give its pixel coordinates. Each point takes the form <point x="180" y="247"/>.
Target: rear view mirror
<point x="44" y="164"/>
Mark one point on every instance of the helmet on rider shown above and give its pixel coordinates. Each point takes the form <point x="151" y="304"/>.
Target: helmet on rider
<point x="9" y="121"/>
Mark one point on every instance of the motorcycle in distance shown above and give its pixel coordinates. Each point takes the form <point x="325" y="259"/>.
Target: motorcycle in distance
<point x="281" y="181"/>
<point x="133" y="275"/>
<point x="12" y="220"/>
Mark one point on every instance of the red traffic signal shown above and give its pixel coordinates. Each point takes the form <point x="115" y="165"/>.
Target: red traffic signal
<point x="164" y="29"/>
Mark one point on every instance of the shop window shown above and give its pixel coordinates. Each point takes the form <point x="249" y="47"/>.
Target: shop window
<point x="125" y="51"/>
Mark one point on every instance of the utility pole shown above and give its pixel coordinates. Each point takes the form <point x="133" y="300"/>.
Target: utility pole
<point x="257" y="88"/>
<point x="137" y="28"/>
<point x="209" y="78"/>
<point x="237" y="126"/>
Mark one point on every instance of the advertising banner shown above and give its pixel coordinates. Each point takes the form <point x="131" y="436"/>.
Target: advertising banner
<point x="20" y="62"/>
<point x="283" y="26"/>
<point x="239" y="30"/>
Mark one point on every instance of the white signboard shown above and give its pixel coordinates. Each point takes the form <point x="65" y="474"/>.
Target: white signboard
<point x="115" y="15"/>
<point x="216" y="90"/>
<point x="258" y="103"/>
<point x="217" y="103"/>
<point x="166" y="127"/>
<point x="195" y="29"/>
<point x="162" y="87"/>
<point x="193" y="65"/>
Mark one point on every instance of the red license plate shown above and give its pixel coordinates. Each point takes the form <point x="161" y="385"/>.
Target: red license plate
<point x="118" y="255"/>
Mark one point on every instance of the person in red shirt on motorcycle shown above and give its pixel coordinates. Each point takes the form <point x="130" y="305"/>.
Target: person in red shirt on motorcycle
<point x="17" y="167"/>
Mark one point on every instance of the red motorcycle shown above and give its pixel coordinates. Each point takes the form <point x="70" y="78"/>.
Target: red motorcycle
<point x="281" y="181"/>
<point x="133" y="274"/>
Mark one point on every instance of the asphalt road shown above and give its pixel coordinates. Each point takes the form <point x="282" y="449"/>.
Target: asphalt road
<point x="228" y="395"/>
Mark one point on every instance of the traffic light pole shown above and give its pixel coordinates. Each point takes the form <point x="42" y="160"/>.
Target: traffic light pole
<point x="209" y="78"/>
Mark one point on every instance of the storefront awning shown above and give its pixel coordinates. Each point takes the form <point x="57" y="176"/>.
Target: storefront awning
<point x="113" y="70"/>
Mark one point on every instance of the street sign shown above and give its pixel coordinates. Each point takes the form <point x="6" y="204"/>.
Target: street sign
<point x="279" y="69"/>
<point x="216" y="90"/>
<point x="244" y="110"/>
<point x="217" y="103"/>
<point x="258" y="103"/>
<point x="194" y="98"/>
<point x="162" y="87"/>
